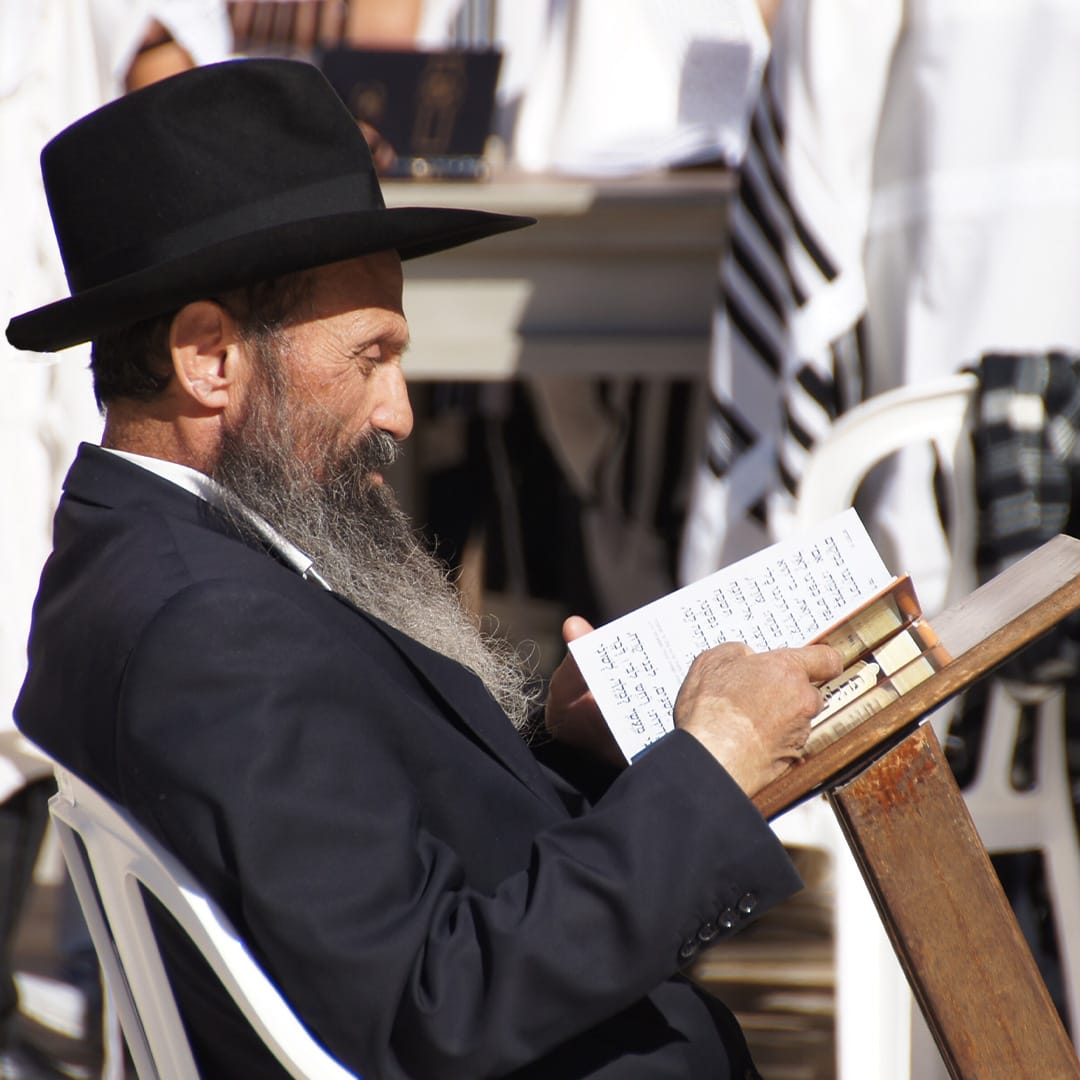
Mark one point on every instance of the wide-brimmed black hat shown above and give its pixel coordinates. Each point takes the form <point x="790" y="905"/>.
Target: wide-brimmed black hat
<point x="219" y="177"/>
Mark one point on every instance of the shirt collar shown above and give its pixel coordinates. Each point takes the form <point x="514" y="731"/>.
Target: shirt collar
<point x="210" y="491"/>
<point x="182" y="475"/>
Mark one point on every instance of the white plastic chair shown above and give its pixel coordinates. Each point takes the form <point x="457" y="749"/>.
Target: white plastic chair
<point x="111" y="860"/>
<point x="873" y="1034"/>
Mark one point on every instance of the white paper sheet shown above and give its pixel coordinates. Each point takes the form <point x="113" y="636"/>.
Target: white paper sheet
<point x="782" y="596"/>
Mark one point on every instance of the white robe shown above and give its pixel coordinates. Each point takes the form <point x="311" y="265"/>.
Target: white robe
<point x="930" y="153"/>
<point x="59" y="59"/>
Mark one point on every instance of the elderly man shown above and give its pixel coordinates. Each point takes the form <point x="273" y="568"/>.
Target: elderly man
<point x="238" y="638"/>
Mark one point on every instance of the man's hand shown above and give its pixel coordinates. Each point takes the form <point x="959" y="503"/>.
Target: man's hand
<point x="383" y="155"/>
<point x="571" y="715"/>
<point x="157" y="57"/>
<point x="751" y="710"/>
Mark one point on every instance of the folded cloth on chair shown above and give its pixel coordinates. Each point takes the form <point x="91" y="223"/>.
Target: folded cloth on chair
<point x="1027" y="470"/>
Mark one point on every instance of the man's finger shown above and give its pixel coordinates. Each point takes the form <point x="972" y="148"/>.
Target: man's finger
<point x="574" y="627"/>
<point x="820" y="662"/>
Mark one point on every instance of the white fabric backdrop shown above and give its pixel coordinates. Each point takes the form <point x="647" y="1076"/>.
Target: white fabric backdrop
<point x="929" y="152"/>
<point x="58" y="60"/>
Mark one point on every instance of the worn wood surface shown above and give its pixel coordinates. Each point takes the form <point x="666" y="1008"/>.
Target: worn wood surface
<point x="980" y="632"/>
<point x="948" y="918"/>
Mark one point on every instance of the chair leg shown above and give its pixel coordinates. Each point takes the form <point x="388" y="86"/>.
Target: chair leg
<point x="113" y="1066"/>
<point x="1063" y="878"/>
<point x="873" y="999"/>
<point x="1062" y="852"/>
<point x="22" y="826"/>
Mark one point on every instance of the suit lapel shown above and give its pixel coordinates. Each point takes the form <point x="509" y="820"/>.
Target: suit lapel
<point x="473" y="707"/>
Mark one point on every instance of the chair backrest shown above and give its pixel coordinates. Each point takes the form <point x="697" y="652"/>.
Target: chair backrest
<point x="112" y="860"/>
<point x="929" y="414"/>
<point x="934" y="413"/>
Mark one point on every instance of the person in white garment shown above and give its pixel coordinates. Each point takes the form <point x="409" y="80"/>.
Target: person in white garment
<point x="909" y="202"/>
<point x="608" y="91"/>
<point x="58" y="60"/>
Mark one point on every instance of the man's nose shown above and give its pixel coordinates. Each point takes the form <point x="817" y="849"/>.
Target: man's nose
<point x="393" y="414"/>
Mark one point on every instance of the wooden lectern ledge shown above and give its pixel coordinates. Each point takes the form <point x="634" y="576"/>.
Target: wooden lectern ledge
<point x="915" y="843"/>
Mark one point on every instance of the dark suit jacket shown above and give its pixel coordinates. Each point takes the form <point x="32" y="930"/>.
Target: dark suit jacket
<point x="432" y="898"/>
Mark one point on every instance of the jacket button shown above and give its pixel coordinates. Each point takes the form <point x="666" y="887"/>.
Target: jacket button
<point x="747" y="903"/>
<point x="689" y="947"/>
<point x="707" y="932"/>
<point x="727" y="918"/>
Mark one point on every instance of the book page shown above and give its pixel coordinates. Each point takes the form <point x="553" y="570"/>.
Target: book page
<point x="781" y="596"/>
<point x="875" y="620"/>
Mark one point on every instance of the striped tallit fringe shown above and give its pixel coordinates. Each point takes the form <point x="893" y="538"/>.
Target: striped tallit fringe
<point x="776" y="266"/>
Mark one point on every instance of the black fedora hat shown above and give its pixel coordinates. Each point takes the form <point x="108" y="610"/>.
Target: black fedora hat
<point x="219" y="177"/>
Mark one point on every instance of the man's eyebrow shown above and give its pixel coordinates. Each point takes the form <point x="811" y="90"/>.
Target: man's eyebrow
<point x="400" y="343"/>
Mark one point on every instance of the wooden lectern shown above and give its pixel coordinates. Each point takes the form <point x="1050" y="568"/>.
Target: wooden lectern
<point x="905" y="819"/>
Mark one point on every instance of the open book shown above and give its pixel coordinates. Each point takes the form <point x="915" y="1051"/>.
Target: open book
<point x="888" y="648"/>
<point x="829" y="585"/>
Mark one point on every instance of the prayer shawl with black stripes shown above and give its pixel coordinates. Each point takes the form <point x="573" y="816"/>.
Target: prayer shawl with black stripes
<point x="902" y="211"/>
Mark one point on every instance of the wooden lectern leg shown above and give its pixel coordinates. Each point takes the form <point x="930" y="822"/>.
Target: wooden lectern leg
<point x="951" y="924"/>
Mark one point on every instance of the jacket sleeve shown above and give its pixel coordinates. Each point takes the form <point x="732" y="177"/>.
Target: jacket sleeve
<point x="308" y="779"/>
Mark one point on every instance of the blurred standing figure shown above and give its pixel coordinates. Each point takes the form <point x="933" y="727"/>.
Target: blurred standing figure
<point x="609" y="90"/>
<point x="910" y="200"/>
<point x="58" y="60"/>
<point x="623" y="87"/>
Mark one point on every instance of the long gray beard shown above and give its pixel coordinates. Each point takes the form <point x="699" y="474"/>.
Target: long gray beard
<point x="363" y="544"/>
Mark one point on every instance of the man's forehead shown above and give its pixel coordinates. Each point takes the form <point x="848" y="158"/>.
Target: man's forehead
<point x="369" y="283"/>
<point x="377" y="276"/>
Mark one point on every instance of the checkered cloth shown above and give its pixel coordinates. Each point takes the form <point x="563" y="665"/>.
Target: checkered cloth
<point x="1027" y="469"/>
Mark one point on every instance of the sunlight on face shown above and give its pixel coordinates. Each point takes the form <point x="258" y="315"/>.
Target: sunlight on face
<point x="342" y="360"/>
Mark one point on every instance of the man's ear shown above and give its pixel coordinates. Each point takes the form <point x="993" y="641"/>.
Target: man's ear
<point x="205" y="349"/>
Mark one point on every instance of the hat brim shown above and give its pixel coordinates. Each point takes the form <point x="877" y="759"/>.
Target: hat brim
<point x="256" y="256"/>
